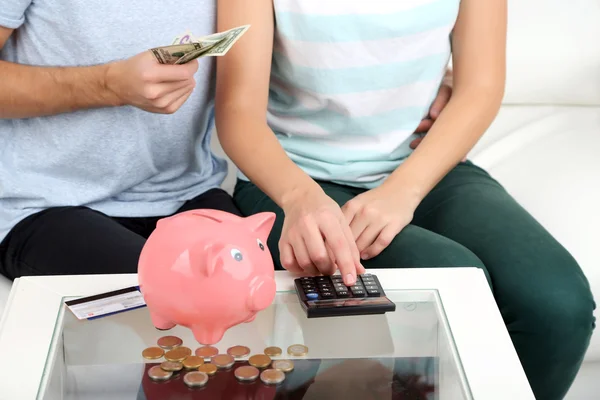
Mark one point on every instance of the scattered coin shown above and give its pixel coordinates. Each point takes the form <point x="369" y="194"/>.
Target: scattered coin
<point x="297" y="350"/>
<point x="283" y="365"/>
<point x="238" y="351"/>
<point x="169" y="342"/>
<point x="223" y="361"/>
<point x="247" y="373"/>
<point x="208" y="369"/>
<point x="178" y="354"/>
<point x="193" y="362"/>
<point x="152" y="353"/>
<point x="158" y="374"/>
<point x="171" y="366"/>
<point x="260" y="360"/>
<point x="207" y="352"/>
<point x="272" y="376"/>
<point x="195" y="379"/>
<point x="273" y="351"/>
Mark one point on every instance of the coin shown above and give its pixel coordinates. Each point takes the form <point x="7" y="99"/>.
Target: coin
<point x="283" y="365"/>
<point x="223" y="360"/>
<point x="169" y="342"/>
<point x="152" y="353"/>
<point x="195" y="379"/>
<point x="259" y="360"/>
<point x="246" y="373"/>
<point x="178" y="354"/>
<point x="171" y="366"/>
<point x="297" y="350"/>
<point x="273" y="351"/>
<point x="238" y="351"/>
<point x="158" y="374"/>
<point x="206" y="352"/>
<point x="193" y="362"/>
<point x="272" y="376"/>
<point x="208" y="369"/>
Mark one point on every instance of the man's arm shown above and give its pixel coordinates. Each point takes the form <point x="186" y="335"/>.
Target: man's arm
<point x="30" y="91"/>
<point x="479" y="59"/>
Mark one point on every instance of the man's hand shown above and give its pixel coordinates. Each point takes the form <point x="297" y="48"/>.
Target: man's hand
<point x="377" y="216"/>
<point x="142" y="82"/>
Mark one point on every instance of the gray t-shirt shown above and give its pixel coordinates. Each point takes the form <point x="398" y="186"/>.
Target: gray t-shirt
<point x="121" y="161"/>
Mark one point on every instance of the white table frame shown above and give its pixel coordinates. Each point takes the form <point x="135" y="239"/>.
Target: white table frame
<point x="488" y="357"/>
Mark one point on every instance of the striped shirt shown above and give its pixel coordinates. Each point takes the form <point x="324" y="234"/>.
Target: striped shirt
<point x="352" y="79"/>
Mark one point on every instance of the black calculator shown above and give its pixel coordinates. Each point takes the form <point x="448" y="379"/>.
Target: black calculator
<point x="328" y="296"/>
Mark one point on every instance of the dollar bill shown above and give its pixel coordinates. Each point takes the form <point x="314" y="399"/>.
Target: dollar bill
<point x="186" y="47"/>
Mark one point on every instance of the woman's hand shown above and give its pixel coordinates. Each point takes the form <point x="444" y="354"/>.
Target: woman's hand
<point x="316" y="238"/>
<point x="377" y="216"/>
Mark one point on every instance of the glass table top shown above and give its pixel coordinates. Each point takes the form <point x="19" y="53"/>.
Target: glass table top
<point x="406" y="354"/>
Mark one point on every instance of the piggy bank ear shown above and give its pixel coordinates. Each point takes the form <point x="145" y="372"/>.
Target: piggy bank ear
<point x="205" y="257"/>
<point x="261" y="224"/>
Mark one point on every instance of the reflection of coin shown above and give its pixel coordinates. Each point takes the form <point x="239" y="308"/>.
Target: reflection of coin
<point x="169" y="342"/>
<point x="195" y="379"/>
<point x="207" y="352"/>
<point x="246" y="373"/>
<point x="208" y="369"/>
<point x="178" y="354"/>
<point x="273" y="351"/>
<point x="152" y="353"/>
<point x="272" y="376"/>
<point x="238" y="351"/>
<point x="158" y="374"/>
<point x="171" y="366"/>
<point x="297" y="350"/>
<point x="193" y="362"/>
<point x="283" y="365"/>
<point x="223" y="360"/>
<point x="259" y="360"/>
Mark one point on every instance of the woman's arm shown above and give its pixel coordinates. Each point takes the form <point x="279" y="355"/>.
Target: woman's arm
<point x="316" y="237"/>
<point x="479" y="48"/>
<point x="479" y="58"/>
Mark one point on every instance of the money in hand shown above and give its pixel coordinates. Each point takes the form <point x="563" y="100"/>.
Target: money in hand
<point x="186" y="47"/>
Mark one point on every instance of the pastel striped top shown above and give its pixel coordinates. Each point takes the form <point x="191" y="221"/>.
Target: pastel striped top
<point x="352" y="79"/>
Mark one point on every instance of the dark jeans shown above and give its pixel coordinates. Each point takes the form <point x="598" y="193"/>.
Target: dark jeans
<point x="78" y="240"/>
<point x="470" y="220"/>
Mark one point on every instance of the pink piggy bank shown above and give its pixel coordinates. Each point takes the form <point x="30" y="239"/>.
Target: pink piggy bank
<point x="207" y="270"/>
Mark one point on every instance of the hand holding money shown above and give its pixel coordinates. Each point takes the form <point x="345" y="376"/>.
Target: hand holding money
<point x="141" y="82"/>
<point x="186" y="47"/>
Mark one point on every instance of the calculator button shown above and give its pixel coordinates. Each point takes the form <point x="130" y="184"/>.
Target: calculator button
<point x="356" y="287"/>
<point x="371" y="287"/>
<point x="308" y="285"/>
<point x="340" y="288"/>
<point x="306" y="279"/>
<point x="327" y="295"/>
<point x="325" y="290"/>
<point x="337" y="278"/>
<point x="373" y="293"/>
<point x="312" y="296"/>
<point x="322" y="284"/>
<point x="342" y="293"/>
<point x="322" y="279"/>
<point x="358" y="293"/>
<point x="310" y="290"/>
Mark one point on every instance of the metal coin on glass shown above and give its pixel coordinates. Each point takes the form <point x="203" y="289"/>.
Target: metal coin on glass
<point x="178" y="354"/>
<point x="283" y="365"/>
<point x="223" y="361"/>
<point x="259" y="360"/>
<point x="208" y="369"/>
<point x="273" y="351"/>
<point x="152" y="353"/>
<point x="207" y="352"/>
<point x="246" y="373"/>
<point x="297" y="350"/>
<point x="193" y="362"/>
<point x="195" y="379"/>
<point x="238" y="351"/>
<point x="171" y="366"/>
<point x="169" y="342"/>
<point x="272" y="376"/>
<point x="156" y="373"/>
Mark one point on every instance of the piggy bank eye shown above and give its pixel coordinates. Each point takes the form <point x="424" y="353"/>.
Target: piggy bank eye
<point x="237" y="255"/>
<point x="260" y="244"/>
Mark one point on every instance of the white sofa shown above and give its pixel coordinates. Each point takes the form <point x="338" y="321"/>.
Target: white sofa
<point x="544" y="146"/>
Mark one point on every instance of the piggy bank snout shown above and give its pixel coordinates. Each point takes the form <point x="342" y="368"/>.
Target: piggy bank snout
<point x="262" y="293"/>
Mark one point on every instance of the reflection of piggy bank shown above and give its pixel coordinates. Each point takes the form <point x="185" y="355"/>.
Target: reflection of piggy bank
<point x="207" y="270"/>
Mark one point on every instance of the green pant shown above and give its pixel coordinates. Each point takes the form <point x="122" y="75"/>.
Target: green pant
<point x="470" y="220"/>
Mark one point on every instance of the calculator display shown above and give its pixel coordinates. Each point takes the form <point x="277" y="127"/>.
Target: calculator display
<point x="353" y="302"/>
